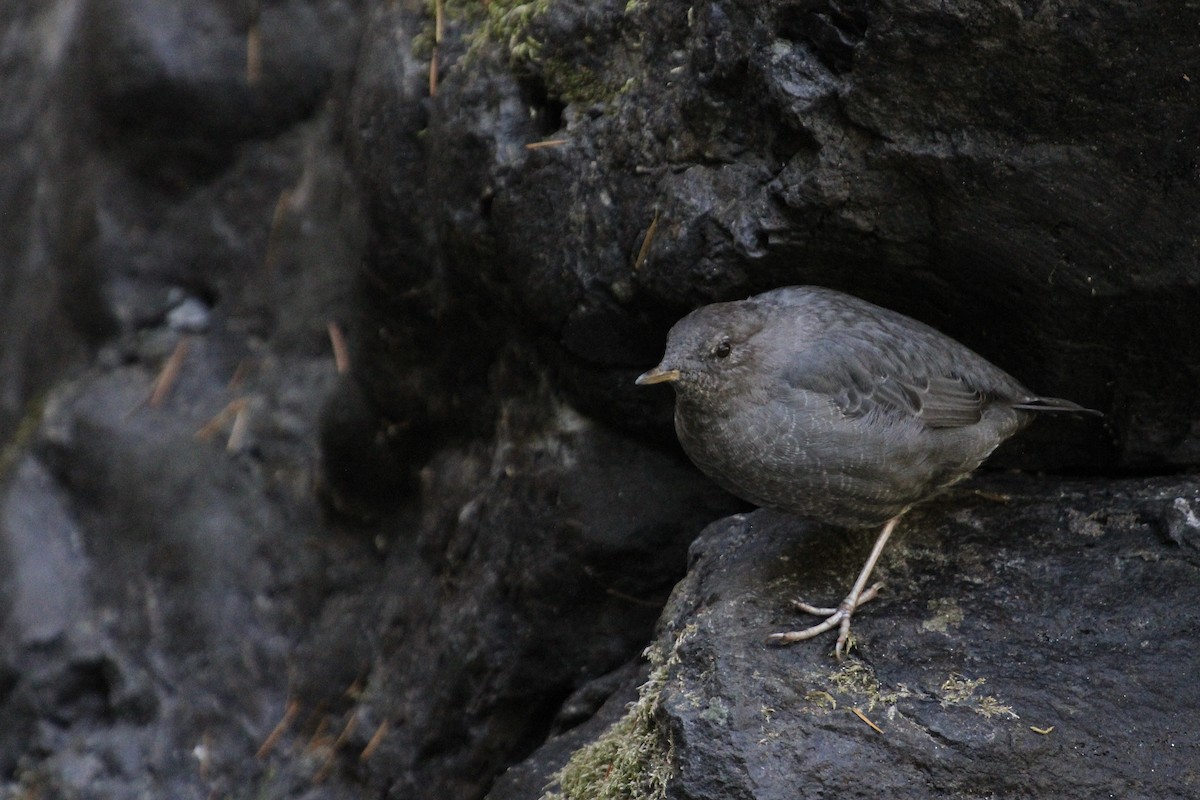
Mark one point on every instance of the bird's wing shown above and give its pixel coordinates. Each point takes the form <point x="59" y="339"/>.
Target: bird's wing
<point x="882" y="382"/>
<point x="869" y="360"/>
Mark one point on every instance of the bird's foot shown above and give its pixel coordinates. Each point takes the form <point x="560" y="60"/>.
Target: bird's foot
<point x="834" y="618"/>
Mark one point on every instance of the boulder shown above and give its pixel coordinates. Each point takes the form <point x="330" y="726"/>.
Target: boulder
<point x="324" y="473"/>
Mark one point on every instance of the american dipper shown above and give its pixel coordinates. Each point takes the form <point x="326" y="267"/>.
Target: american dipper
<point x="813" y="402"/>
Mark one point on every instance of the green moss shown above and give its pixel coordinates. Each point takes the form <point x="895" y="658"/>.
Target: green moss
<point x="821" y="699"/>
<point x="957" y="689"/>
<point x="629" y="762"/>
<point x="945" y="615"/>
<point x="508" y="25"/>
<point x="506" y="22"/>
<point x="855" y="678"/>
<point x="632" y="759"/>
<point x="575" y="83"/>
<point x="855" y="684"/>
<point x="960" y="691"/>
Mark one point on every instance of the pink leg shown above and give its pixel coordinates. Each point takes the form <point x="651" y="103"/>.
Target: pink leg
<point x="840" y="616"/>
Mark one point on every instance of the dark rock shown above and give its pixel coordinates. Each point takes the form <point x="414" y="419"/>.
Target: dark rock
<point x="542" y="559"/>
<point x="178" y="86"/>
<point x="1183" y="523"/>
<point x="767" y="142"/>
<point x="503" y="511"/>
<point x="609" y="698"/>
<point x="1011" y="648"/>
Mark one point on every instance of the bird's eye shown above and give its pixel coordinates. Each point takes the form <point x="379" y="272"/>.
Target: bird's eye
<point x="723" y="349"/>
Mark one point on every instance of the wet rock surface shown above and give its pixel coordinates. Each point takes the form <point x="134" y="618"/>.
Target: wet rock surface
<point x="1020" y="644"/>
<point x="323" y="472"/>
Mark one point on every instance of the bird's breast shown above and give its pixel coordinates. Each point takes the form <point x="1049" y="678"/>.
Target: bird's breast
<point x="763" y="452"/>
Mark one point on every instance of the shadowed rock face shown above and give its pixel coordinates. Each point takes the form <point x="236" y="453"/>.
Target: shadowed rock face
<point x="445" y="561"/>
<point x="999" y="655"/>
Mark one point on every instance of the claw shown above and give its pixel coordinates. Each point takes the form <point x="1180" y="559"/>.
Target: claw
<point x="840" y="617"/>
<point x="834" y="618"/>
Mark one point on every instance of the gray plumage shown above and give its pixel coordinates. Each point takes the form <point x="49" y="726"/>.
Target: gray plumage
<point x="817" y="403"/>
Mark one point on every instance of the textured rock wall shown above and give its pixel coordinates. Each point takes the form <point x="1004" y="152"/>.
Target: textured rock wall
<point x="231" y="563"/>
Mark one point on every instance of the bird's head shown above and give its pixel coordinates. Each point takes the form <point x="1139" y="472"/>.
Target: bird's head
<point x="709" y="349"/>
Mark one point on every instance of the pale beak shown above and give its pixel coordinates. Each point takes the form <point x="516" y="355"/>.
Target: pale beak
<point x="657" y="375"/>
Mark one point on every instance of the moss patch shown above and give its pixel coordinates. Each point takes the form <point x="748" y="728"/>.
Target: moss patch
<point x="575" y="83"/>
<point x="506" y="22"/>
<point x="632" y="759"/>
<point x="945" y="615"/>
<point x="855" y="682"/>
<point x="961" y="691"/>
<point x="508" y="25"/>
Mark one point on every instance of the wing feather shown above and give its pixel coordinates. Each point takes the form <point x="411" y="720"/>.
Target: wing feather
<point x="870" y="360"/>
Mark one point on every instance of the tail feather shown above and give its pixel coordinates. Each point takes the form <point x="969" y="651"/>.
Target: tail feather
<point x="1054" y="404"/>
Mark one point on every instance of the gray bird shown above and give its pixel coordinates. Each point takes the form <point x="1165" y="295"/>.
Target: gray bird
<point x="813" y="402"/>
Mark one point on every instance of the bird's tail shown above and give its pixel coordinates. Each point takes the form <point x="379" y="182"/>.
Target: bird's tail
<point x="1055" y="404"/>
